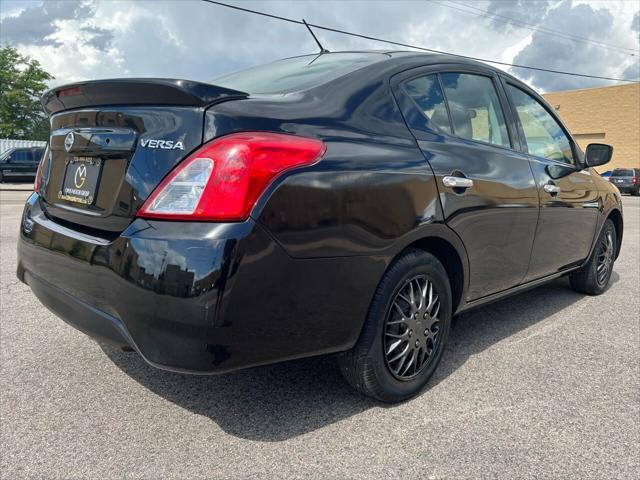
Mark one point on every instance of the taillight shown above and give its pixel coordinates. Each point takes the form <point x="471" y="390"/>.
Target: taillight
<point x="69" y="92"/>
<point x="36" y="182"/>
<point x="634" y="180"/>
<point x="224" y="178"/>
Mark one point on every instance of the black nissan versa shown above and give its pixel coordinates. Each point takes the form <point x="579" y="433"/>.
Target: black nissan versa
<point x="346" y="203"/>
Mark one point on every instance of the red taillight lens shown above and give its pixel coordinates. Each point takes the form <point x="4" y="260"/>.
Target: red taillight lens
<point x="634" y="180"/>
<point x="67" y="92"/>
<point x="224" y="178"/>
<point x="36" y="182"/>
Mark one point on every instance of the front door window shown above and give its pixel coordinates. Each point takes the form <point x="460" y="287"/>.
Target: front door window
<point x="543" y="135"/>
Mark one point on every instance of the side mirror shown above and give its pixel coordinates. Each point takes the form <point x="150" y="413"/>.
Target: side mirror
<point x="597" y="154"/>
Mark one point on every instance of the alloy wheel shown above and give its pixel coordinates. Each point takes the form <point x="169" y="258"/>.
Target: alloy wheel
<point x="605" y="258"/>
<point x="412" y="327"/>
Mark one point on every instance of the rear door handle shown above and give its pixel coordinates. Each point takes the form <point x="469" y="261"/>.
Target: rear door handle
<point x="457" y="182"/>
<point x="551" y="189"/>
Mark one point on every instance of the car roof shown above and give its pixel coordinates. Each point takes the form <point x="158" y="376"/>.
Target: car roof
<point x="406" y="59"/>
<point x="366" y="73"/>
<point x="397" y="61"/>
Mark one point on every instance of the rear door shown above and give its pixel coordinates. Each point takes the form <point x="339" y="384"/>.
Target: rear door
<point x="486" y="186"/>
<point x="569" y="200"/>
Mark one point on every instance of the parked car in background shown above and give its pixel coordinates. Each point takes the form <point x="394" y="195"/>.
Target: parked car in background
<point x="20" y="163"/>
<point x="348" y="203"/>
<point x="627" y="180"/>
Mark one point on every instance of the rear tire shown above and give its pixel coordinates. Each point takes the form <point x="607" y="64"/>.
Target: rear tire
<point x="410" y="311"/>
<point x="593" y="278"/>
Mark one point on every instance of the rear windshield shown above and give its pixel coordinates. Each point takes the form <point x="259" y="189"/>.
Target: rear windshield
<point x="296" y="74"/>
<point x="622" y="172"/>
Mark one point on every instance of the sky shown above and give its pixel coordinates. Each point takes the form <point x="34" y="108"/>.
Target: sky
<point x="90" y="39"/>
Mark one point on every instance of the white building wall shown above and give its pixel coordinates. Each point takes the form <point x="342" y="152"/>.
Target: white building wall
<point x="7" y="144"/>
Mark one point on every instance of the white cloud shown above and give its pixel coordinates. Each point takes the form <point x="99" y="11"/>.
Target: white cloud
<point x="88" y="39"/>
<point x="589" y="27"/>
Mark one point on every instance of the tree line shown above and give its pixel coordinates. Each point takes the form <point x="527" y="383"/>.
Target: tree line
<point x="22" y="83"/>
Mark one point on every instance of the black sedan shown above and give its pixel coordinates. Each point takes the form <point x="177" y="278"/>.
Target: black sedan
<point x="344" y="203"/>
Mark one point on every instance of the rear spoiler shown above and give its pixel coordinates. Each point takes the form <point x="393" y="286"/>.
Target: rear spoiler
<point x="135" y="91"/>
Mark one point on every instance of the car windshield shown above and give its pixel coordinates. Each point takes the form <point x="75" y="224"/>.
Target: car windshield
<point x="296" y="74"/>
<point x="4" y="155"/>
<point x="622" y="172"/>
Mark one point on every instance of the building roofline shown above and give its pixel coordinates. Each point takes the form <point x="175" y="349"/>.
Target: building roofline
<point x="591" y="88"/>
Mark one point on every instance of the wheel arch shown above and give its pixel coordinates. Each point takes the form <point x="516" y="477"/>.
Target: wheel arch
<point x="451" y="261"/>
<point x="446" y="246"/>
<point x="616" y="217"/>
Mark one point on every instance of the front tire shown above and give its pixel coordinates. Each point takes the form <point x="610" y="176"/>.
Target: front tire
<point x="405" y="331"/>
<point x="593" y="278"/>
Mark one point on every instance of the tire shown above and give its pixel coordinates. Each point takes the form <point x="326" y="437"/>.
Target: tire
<point x="593" y="278"/>
<point x="370" y="366"/>
<point x="636" y="193"/>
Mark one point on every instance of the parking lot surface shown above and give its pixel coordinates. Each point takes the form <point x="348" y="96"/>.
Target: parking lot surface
<point x="543" y="384"/>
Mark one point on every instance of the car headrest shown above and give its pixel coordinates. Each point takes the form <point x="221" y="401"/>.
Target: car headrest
<point x="461" y="118"/>
<point x="439" y="115"/>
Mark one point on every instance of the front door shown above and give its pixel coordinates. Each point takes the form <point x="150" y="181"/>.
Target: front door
<point x="487" y="189"/>
<point x="568" y="196"/>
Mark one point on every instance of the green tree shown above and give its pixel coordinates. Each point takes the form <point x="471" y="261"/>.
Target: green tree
<point x="22" y="83"/>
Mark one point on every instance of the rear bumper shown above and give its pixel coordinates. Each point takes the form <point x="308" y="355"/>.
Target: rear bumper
<point x="78" y="314"/>
<point x="195" y="297"/>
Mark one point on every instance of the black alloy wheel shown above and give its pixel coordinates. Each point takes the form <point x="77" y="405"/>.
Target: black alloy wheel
<point x="411" y="332"/>
<point x="405" y="331"/>
<point x="606" y="253"/>
<point x="594" y="277"/>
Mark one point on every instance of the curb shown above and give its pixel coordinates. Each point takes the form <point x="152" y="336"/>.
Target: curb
<point x="4" y="187"/>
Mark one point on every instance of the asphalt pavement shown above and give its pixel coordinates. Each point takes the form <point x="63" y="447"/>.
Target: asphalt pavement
<point x="545" y="384"/>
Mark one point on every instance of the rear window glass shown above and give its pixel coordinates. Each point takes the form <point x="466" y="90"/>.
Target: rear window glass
<point x="622" y="172"/>
<point x="296" y="74"/>
<point x="427" y="94"/>
<point x="21" y="156"/>
<point x="476" y="113"/>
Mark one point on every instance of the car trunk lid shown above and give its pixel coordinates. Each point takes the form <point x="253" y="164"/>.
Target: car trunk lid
<point x="113" y="141"/>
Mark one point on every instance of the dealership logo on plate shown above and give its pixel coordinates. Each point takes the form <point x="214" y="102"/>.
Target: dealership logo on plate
<point x="81" y="176"/>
